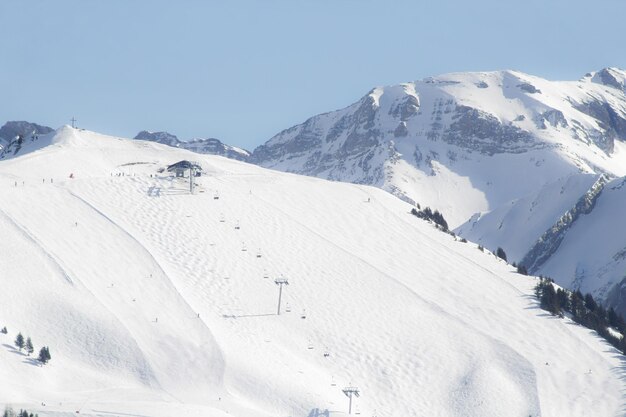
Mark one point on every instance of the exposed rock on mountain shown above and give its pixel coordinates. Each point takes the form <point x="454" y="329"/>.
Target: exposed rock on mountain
<point x="463" y="143"/>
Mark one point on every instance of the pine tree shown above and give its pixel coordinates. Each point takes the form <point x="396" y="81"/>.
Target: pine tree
<point x="19" y="341"/>
<point x="562" y="300"/>
<point x="4" y="330"/>
<point x="548" y="298"/>
<point x="615" y="321"/>
<point x="501" y="254"/>
<point x="590" y="303"/>
<point x="577" y="306"/>
<point x="44" y="355"/>
<point x="29" y="346"/>
<point x="438" y="218"/>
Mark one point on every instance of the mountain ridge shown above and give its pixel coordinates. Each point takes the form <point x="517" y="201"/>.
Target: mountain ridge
<point x="435" y="133"/>
<point x="211" y="146"/>
<point x="569" y="231"/>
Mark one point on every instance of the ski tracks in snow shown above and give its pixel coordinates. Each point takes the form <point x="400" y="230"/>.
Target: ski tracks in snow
<point x="54" y="261"/>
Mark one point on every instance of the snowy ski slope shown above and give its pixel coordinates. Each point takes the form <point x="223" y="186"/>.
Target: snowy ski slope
<point x="151" y="307"/>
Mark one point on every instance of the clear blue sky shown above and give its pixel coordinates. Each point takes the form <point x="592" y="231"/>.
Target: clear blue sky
<point x="242" y="71"/>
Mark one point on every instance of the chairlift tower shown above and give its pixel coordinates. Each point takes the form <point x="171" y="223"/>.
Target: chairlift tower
<point x="280" y="282"/>
<point x="350" y="392"/>
<point x="192" y="174"/>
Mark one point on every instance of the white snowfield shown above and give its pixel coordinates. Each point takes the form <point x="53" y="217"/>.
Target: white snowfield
<point x="151" y="307"/>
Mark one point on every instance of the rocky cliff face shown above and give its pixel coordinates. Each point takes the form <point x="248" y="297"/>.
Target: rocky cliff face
<point x="549" y="242"/>
<point x="463" y="143"/>
<point x="210" y="146"/>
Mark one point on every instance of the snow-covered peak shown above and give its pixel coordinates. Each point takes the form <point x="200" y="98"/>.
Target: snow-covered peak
<point x="461" y="142"/>
<point x="612" y="77"/>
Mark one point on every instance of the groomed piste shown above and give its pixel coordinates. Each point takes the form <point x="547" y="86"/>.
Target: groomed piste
<point x="155" y="302"/>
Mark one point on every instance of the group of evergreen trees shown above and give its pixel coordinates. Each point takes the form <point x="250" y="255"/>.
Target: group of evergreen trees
<point x="28" y="345"/>
<point x="583" y="310"/>
<point x="428" y="214"/>
<point x="8" y="412"/>
<point x="44" y="352"/>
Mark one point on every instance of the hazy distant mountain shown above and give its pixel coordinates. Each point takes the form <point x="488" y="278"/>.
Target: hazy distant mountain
<point x="10" y="132"/>
<point x="209" y="146"/>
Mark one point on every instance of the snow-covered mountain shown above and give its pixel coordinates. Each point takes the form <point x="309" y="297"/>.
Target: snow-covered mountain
<point x="10" y="132"/>
<point x="571" y="231"/>
<point x="465" y="142"/>
<point x="155" y="302"/>
<point x="210" y="146"/>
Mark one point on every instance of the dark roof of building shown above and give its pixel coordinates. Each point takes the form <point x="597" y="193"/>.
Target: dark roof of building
<point x="184" y="165"/>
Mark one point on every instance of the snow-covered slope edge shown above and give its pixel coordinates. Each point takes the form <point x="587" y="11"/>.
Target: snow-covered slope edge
<point x="151" y="306"/>
<point x="459" y="142"/>
<point x="570" y="231"/>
